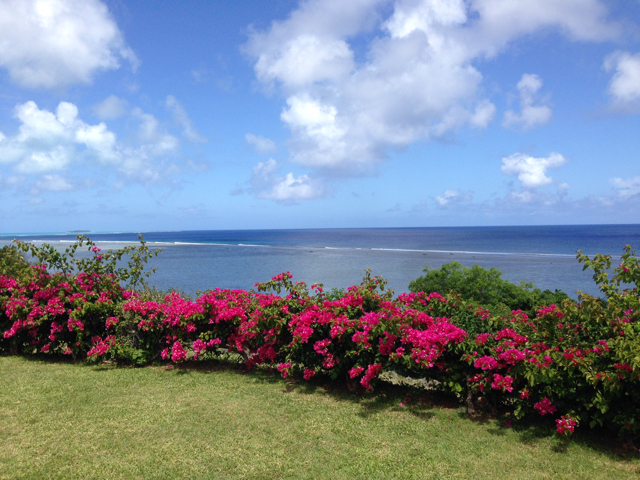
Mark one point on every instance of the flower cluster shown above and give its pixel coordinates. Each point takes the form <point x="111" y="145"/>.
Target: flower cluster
<point x="566" y="425"/>
<point x="544" y="406"/>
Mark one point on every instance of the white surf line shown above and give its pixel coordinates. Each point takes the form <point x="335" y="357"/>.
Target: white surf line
<point x="465" y="252"/>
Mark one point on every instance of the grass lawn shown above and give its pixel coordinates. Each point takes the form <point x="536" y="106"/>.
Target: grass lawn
<point x="64" y="420"/>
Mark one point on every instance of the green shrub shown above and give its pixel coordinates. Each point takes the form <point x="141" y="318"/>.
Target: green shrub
<point x="12" y="263"/>
<point x="485" y="287"/>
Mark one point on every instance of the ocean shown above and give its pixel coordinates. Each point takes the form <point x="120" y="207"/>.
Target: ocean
<point x="206" y="259"/>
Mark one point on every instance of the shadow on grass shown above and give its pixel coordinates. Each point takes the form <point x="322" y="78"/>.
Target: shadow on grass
<point x="387" y="397"/>
<point x="531" y="431"/>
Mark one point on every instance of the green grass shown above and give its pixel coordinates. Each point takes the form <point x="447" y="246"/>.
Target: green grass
<point x="64" y="420"/>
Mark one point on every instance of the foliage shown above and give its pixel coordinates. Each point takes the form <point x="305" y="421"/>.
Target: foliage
<point x="12" y="263"/>
<point x="485" y="287"/>
<point x="578" y="358"/>
<point x="100" y="263"/>
<point x="578" y="362"/>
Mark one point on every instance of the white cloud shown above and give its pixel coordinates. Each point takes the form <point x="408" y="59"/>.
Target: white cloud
<point x="261" y="144"/>
<point x="110" y="108"/>
<point x="263" y="173"/>
<point x="151" y="132"/>
<point x="55" y="43"/>
<point x="298" y="188"/>
<point x="51" y="182"/>
<point x="530" y="114"/>
<point x="626" y="188"/>
<point x="304" y="60"/>
<point x="311" y="45"/>
<point x="267" y="184"/>
<point x="531" y="171"/>
<point x="500" y="22"/>
<point x="483" y="114"/>
<point x="522" y="197"/>
<point x="352" y="95"/>
<point x="182" y="119"/>
<point x="54" y="141"/>
<point x="410" y="16"/>
<point x="452" y="197"/>
<point x="625" y="84"/>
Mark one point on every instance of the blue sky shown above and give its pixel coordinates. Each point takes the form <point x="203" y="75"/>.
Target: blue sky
<point x="120" y="115"/>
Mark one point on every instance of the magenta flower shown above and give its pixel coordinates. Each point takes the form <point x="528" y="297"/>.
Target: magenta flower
<point x="284" y="369"/>
<point x="502" y="383"/>
<point x="372" y="372"/>
<point x="486" y="363"/>
<point x="178" y="353"/>
<point x="566" y="425"/>
<point x="544" y="406"/>
<point x="111" y="321"/>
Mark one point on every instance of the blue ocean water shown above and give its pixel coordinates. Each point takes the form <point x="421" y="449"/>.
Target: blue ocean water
<point x="200" y="260"/>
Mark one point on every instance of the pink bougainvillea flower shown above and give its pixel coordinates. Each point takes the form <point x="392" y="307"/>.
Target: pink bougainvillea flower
<point x="544" y="406"/>
<point x="502" y="383"/>
<point x="482" y="338"/>
<point x="178" y="353"/>
<point x="284" y="369"/>
<point x="566" y="425"/>
<point x="372" y="372"/>
<point x="486" y="363"/>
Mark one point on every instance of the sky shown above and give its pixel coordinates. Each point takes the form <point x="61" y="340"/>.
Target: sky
<point x="123" y="115"/>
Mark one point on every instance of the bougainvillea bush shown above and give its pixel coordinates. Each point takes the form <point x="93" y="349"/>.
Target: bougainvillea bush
<point x="575" y="362"/>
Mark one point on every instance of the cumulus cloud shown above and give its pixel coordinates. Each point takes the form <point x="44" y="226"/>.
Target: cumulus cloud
<point x="626" y="188"/>
<point x="266" y="183"/>
<point x="110" y="108"/>
<point x="365" y="76"/>
<point x="55" y="43"/>
<point x="501" y="22"/>
<point x="182" y="119"/>
<point x="48" y="142"/>
<point x="452" y="197"/>
<point x="311" y="45"/>
<point x="261" y="144"/>
<point x="530" y="114"/>
<point x="532" y="172"/>
<point x="624" y="86"/>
